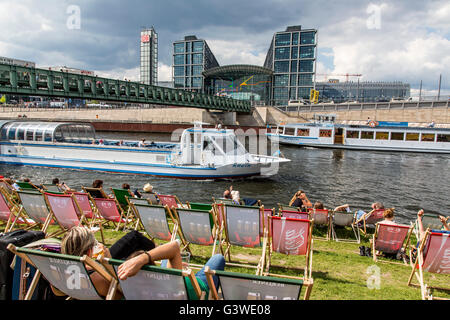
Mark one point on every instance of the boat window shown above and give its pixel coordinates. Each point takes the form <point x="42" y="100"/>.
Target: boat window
<point x="382" y="136"/>
<point x="428" y="137"/>
<point x="352" y="134"/>
<point x="21" y="133"/>
<point x="12" y="131"/>
<point x="29" y="134"/>
<point x="303" y="132"/>
<point x="48" y="136"/>
<point x="325" y="133"/>
<point x="367" y="134"/>
<point x="289" y="131"/>
<point x="412" y="136"/>
<point x="397" y="136"/>
<point x="58" y="135"/>
<point x="443" y="138"/>
<point x="38" y="135"/>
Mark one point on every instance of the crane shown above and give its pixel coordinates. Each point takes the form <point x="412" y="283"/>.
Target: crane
<point x="347" y="75"/>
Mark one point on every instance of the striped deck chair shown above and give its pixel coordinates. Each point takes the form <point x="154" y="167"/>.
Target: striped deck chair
<point x="433" y="256"/>
<point x="321" y="218"/>
<point x="156" y="283"/>
<point x="243" y="286"/>
<point x="242" y="229"/>
<point x="34" y="205"/>
<point x="390" y="238"/>
<point x="370" y="219"/>
<point x="96" y="193"/>
<point x="64" y="209"/>
<point x="68" y="274"/>
<point x="344" y="219"/>
<point x="10" y="214"/>
<point x="154" y="221"/>
<point x="170" y="201"/>
<point x="197" y="227"/>
<point x="111" y="211"/>
<point x="291" y="237"/>
<point x="295" y="214"/>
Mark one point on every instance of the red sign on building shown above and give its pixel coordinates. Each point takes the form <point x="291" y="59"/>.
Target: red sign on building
<point x="145" y="38"/>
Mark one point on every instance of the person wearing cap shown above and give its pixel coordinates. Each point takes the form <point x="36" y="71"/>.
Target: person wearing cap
<point x="148" y="188"/>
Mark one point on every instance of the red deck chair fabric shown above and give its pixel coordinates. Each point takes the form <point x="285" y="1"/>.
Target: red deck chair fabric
<point x="63" y="209"/>
<point x="264" y="220"/>
<point x="170" y="201"/>
<point x="295" y="214"/>
<point x="107" y="208"/>
<point x="7" y="216"/>
<point x="437" y="253"/>
<point x="290" y="236"/>
<point x="375" y="216"/>
<point x="390" y="238"/>
<point x="84" y="203"/>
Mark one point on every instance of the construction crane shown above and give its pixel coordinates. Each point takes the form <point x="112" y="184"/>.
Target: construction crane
<point x="347" y="75"/>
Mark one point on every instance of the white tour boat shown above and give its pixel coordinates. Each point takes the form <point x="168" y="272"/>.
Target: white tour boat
<point x="201" y="154"/>
<point x="323" y="132"/>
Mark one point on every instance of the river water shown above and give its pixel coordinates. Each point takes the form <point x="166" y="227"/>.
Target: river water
<point x="405" y="181"/>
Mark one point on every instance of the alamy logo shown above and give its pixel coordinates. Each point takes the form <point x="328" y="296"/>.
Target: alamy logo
<point x="74" y="280"/>
<point x="73" y="21"/>
<point x="374" y="280"/>
<point x="374" y="20"/>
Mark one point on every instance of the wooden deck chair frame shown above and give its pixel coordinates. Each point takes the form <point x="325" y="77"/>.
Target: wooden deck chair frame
<point x="402" y="247"/>
<point x="352" y="224"/>
<point x="94" y="219"/>
<point x="16" y="216"/>
<point x="110" y="263"/>
<point x="8" y="188"/>
<point x="24" y="252"/>
<point x="214" y="229"/>
<point x="366" y="216"/>
<point x="309" y="249"/>
<point x="44" y="225"/>
<point x="168" y="213"/>
<point x="312" y="212"/>
<point x="122" y="218"/>
<point x="132" y="210"/>
<point x="228" y="245"/>
<point x="308" y="283"/>
<point x="99" y="190"/>
<point x="417" y="268"/>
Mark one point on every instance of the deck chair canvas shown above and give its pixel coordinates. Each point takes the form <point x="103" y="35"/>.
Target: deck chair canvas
<point x="132" y="210"/>
<point x="8" y="188"/>
<point x="242" y="229"/>
<point x="152" y="197"/>
<point x="295" y="214"/>
<point x="10" y="214"/>
<point x="52" y="188"/>
<point x="264" y="220"/>
<point x="199" y="206"/>
<point x="154" y="220"/>
<point x="197" y="227"/>
<point x="96" y="193"/>
<point x="291" y="237"/>
<point x="170" y="201"/>
<point x="282" y="207"/>
<point x="121" y="195"/>
<point x="34" y="205"/>
<point x="156" y="283"/>
<point x="432" y="256"/>
<point x="26" y="185"/>
<point x="344" y="219"/>
<point x="110" y="211"/>
<point x="243" y="286"/>
<point x="429" y="221"/>
<point x="321" y="218"/>
<point x="66" y="273"/>
<point x="390" y="238"/>
<point x="370" y="219"/>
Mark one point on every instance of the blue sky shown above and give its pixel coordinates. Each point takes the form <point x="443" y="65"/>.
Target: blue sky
<point x="382" y="40"/>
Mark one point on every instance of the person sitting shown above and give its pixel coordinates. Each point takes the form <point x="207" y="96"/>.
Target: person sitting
<point x="80" y="241"/>
<point x="375" y="206"/>
<point x="445" y="225"/>
<point x="319" y="205"/>
<point x="142" y="143"/>
<point x="388" y="216"/>
<point x="97" y="184"/>
<point x="227" y="193"/>
<point x="235" y="196"/>
<point x="300" y="200"/>
<point x="344" y="207"/>
<point x="170" y="254"/>
<point x="63" y="186"/>
<point x="126" y="186"/>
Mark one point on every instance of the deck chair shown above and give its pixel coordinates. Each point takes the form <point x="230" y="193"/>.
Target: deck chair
<point x="370" y="219"/>
<point x="243" y="286"/>
<point x="10" y="214"/>
<point x="432" y="256"/>
<point x="154" y="221"/>
<point x="264" y="220"/>
<point x="156" y="283"/>
<point x="344" y="219"/>
<point x="34" y="205"/>
<point x="242" y="229"/>
<point x="96" y="193"/>
<point x="68" y="274"/>
<point x="197" y="227"/>
<point x="295" y="214"/>
<point x="390" y="239"/>
<point x="52" y="188"/>
<point x="291" y="237"/>
<point x="321" y="218"/>
<point x="282" y="207"/>
<point x="170" y="201"/>
<point x="110" y="210"/>
<point x="120" y="195"/>
<point x="429" y="221"/>
<point x="132" y="210"/>
<point x="199" y="206"/>
<point x="26" y="185"/>
<point x="64" y="209"/>
<point x="152" y="197"/>
<point x="8" y="188"/>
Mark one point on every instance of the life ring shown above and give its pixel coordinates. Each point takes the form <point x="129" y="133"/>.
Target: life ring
<point x="373" y="124"/>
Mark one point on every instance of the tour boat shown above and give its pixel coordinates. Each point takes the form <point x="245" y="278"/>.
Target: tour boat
<point x="323" y="132"/>
<point x="202" y="153"/>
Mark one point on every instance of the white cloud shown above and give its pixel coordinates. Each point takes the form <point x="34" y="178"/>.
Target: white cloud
<point x="164" y="72"/>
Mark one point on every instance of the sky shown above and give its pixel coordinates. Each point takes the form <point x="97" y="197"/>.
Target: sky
<point x="395" y="40"/>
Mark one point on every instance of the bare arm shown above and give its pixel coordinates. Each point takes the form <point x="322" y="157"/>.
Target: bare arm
<point x="419" y="222"/>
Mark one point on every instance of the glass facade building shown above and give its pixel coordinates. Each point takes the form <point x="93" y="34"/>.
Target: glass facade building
<point x="292" y="57"/>
<point x="367" y="91"/>
<point x="191" y="57"/>
<point x="149" y="57"/>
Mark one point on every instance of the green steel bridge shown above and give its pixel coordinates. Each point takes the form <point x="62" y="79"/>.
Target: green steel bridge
<point x="30" y="81"/>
